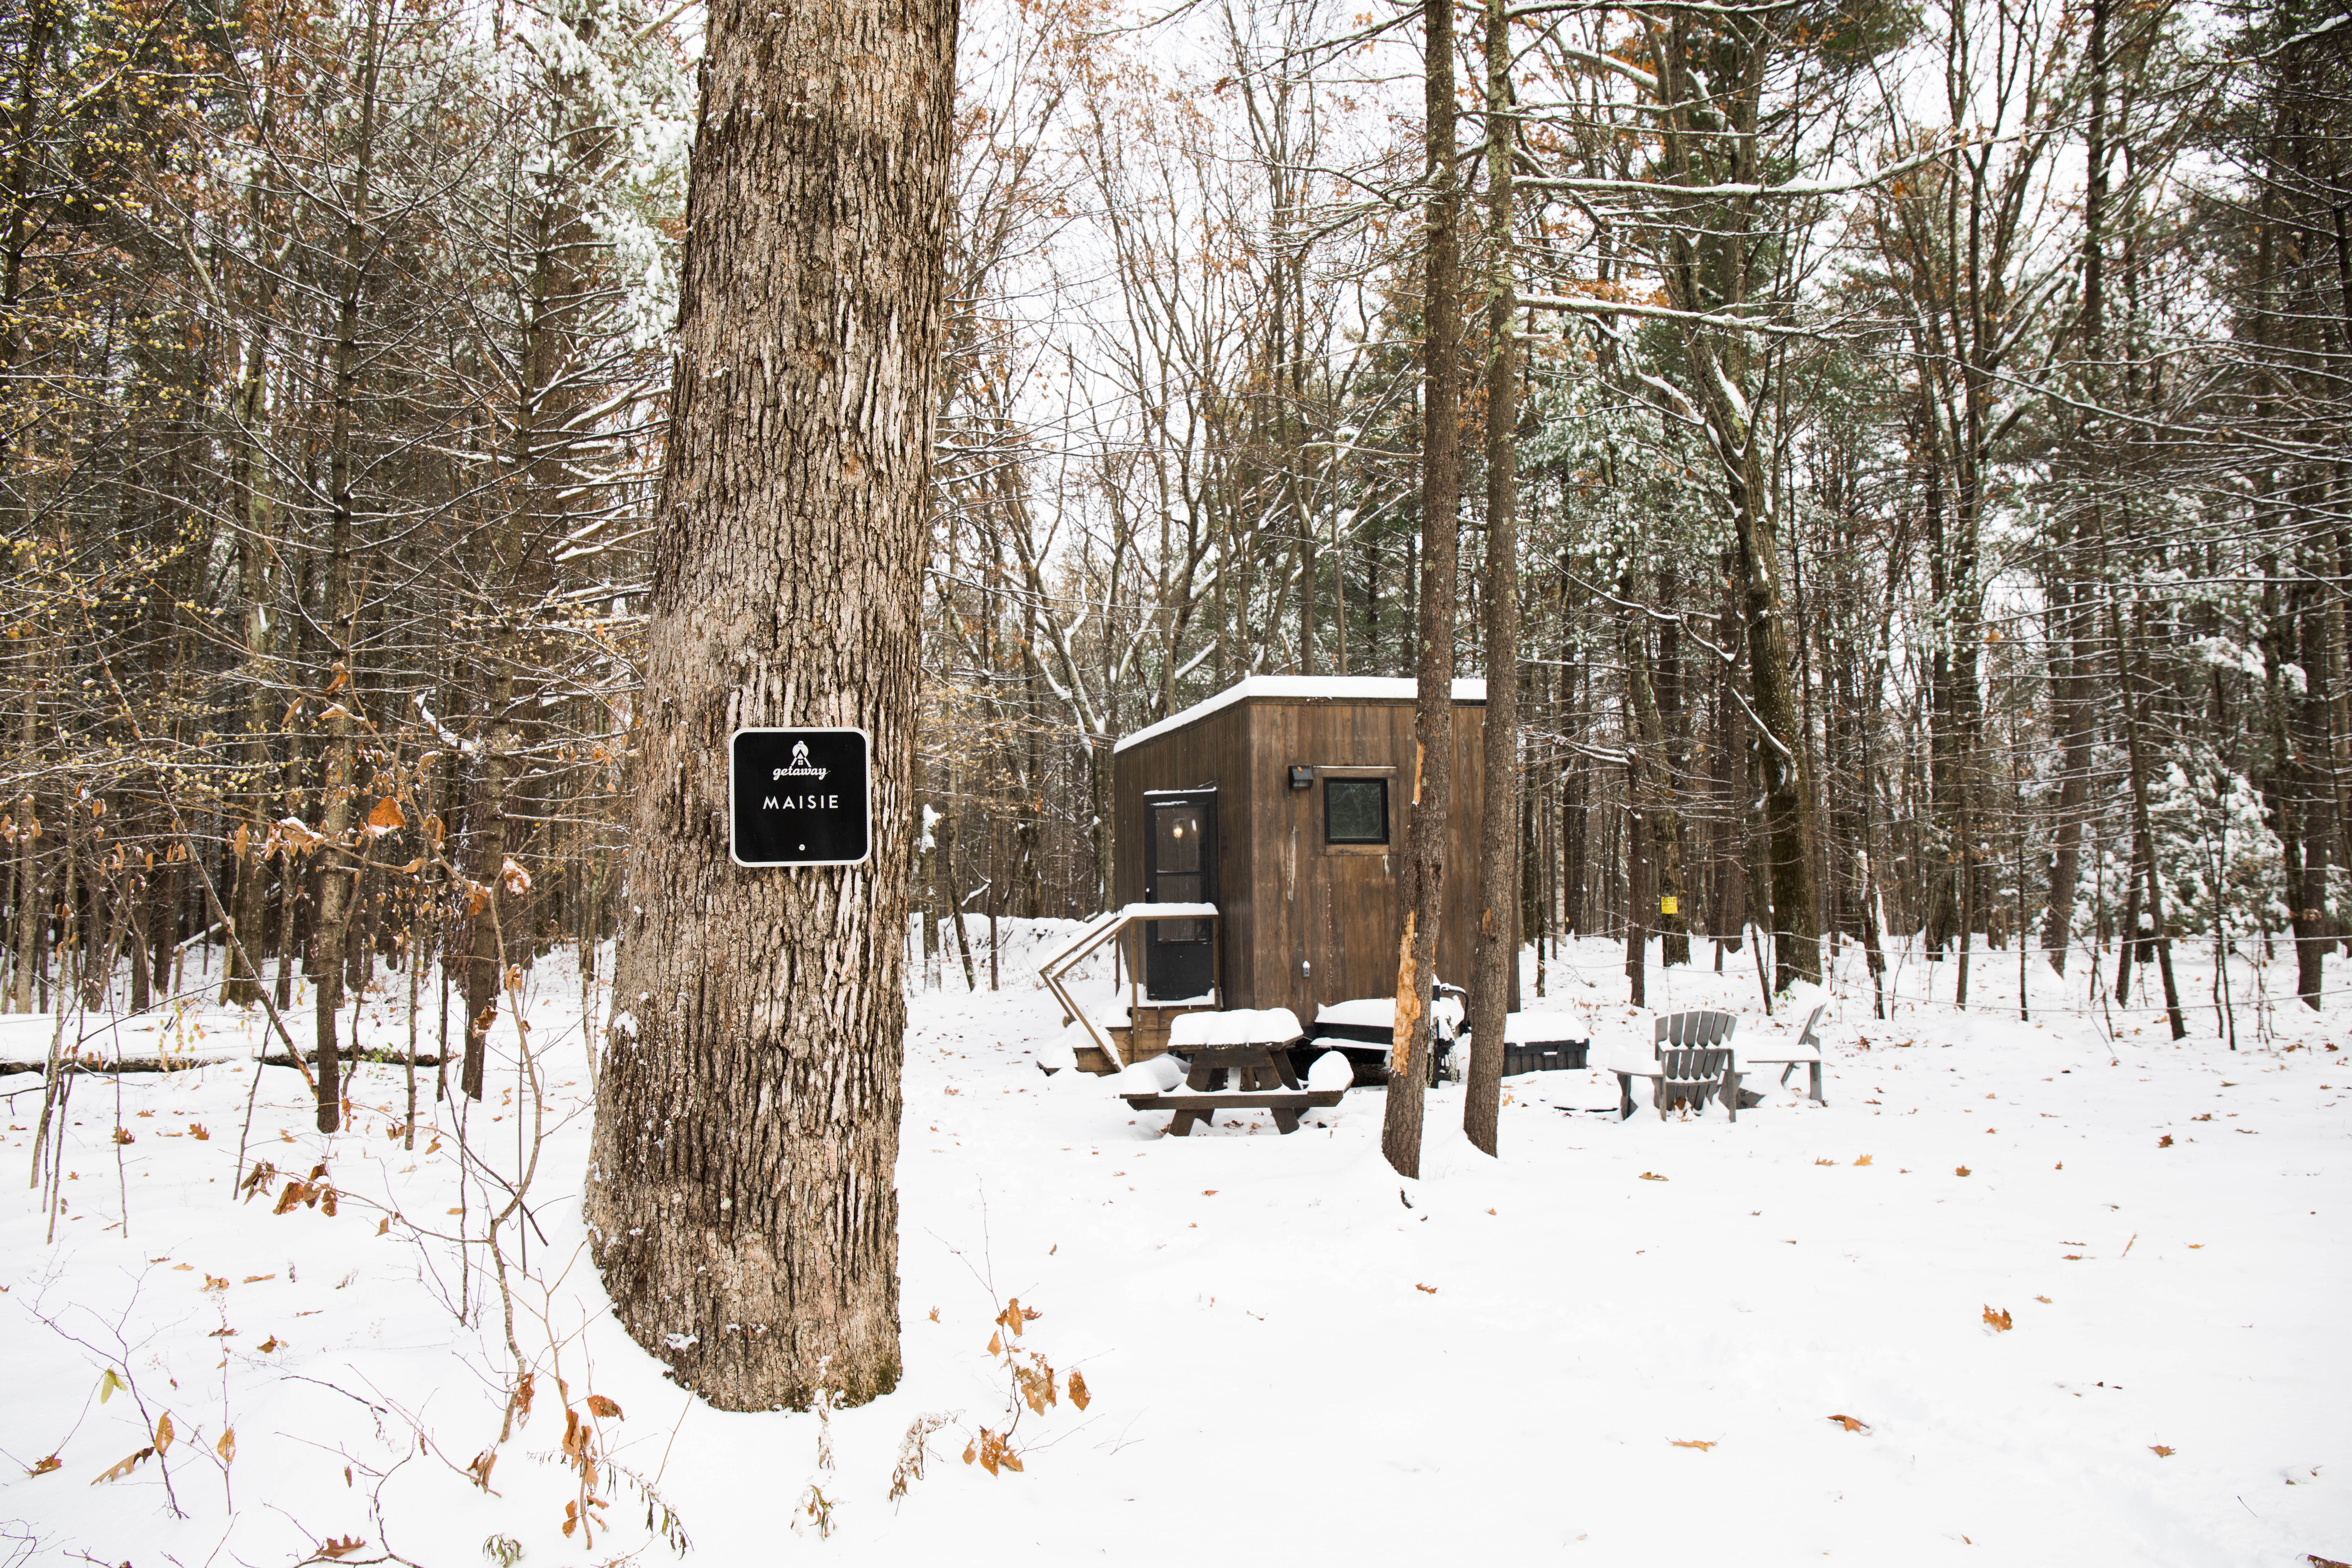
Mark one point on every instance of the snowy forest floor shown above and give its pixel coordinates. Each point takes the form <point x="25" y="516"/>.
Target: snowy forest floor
<point x="2078" y="1300"/>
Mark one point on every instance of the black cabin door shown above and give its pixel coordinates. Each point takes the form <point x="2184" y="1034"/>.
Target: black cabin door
<point x="1180" y="868"/>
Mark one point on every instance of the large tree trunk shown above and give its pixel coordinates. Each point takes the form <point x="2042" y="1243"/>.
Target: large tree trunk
<point x="741" y="1194"/>
<point x="1497" y="937"/>
<point x="1441" y="494"/>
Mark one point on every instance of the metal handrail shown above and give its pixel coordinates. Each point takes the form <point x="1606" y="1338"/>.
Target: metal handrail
<point x="1054" y="970"/>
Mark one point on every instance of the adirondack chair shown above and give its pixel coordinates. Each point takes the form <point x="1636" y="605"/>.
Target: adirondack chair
<point x="1805" y="1052"/>
<point x="1698" y="1075"/>
<point x="1695" y="1028"/>
<point x="1808" y="1041"/>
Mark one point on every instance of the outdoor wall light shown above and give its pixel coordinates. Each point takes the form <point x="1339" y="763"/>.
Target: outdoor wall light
<point x="1301" y="776"/>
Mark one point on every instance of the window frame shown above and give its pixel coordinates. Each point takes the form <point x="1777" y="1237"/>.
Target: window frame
<point x="1388" y="832"/>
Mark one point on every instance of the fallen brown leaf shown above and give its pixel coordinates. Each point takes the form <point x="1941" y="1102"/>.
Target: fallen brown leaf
<point x="1999" y="1318"/>
<point x="1429" y="1289"/>
<point x="1852" y="1423"/>
<point x="2159" y="1450"/>
<point x="124" y="1467"/>
<point x="1701" y="1444"/>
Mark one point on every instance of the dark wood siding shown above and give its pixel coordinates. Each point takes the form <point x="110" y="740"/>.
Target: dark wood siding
<point x="1209" y="755"/>
<point x="1287" y="898"/>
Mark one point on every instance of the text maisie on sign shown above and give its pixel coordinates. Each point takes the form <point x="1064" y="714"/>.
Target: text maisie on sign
<point x="799" y="825"/>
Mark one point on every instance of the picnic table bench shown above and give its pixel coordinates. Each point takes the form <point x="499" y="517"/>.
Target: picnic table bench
<point x="1251" y="1045"/>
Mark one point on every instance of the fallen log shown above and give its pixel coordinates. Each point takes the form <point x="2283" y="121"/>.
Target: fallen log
<point x="186" y="1064"/>
<point x="75" y="1065"/>
<point x="371" y="1054"/>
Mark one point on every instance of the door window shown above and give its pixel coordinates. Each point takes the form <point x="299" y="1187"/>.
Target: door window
<point x="1179" y="836"/>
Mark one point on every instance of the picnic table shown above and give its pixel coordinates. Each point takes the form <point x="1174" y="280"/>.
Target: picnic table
<point x="1251" y="1047"/>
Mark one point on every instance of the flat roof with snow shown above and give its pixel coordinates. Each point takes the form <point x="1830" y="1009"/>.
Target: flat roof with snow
<point x="1322" y="687"/>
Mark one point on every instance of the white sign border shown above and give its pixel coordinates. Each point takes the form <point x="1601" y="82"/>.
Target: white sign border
<point x="798" y="730"/>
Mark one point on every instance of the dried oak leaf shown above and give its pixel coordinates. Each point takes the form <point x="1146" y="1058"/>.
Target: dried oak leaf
<point x="43" y="1467"/>
<point x="2165" y="1141"/>
<point x="1999" y="1318"/>
<point x="1852" y="1422"/>
<point x="333" y="1547"/>
<point x="117" y="1471"/>
<point x="1429" y="1289"/>
<point x="2159" y="1450"/>
<point x="1651" y="1176"/>
<point x="1078" y="1395"/>
<point x="1701" y="1444"/>
<point x="600" y="1405"/>
<point x="1959" y="1170"/>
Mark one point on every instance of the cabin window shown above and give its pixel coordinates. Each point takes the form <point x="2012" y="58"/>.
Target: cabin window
<point x="1355" y="811"/>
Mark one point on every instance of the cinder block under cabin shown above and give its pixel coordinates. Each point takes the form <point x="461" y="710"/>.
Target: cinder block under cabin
<point x="1145" y="1039"/>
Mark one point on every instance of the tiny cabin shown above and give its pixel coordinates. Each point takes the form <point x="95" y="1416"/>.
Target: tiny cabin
<point x="1285" y="803"/>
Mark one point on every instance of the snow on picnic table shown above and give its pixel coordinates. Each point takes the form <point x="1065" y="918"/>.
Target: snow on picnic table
<point x="1292" y="1354"/>
<point x="1233" y="1026"/>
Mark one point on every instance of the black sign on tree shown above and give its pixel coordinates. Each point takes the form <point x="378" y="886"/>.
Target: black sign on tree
<point x="799" y="797"/>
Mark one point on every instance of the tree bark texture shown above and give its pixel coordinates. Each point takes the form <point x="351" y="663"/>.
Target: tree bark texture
<point x="1441" y="495"/>
<point x="739" y="1194"/>
<point x="1498" y="945"/>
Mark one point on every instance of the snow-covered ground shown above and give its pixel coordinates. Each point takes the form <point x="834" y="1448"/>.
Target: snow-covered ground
<point x="1621" y="1343"/>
